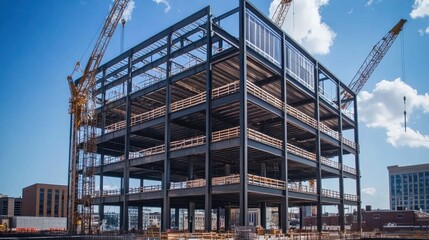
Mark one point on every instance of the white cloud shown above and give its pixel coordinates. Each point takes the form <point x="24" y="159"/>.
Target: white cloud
<point x="350" y="11"/>
<point x="420" y="9"/>
<point x="304" y="24"/>
<point x="128" y="11"/>
<point x="384" y="106"/>
<point x="369" y="190"/>
<point x="427" y="30"/>
<point x="166" y="3"/>
<point x="369" y="3"/>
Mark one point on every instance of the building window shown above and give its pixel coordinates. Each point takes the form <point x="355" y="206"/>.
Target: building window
<point x="263" y="39"/>
<point x="376" y="216"/>
<point x="63" y="202"/>
<point x="49" y="203"/>
<point x="300" y="67"/>
<point x="57" y="202"/>
<point x="41" y="201"/>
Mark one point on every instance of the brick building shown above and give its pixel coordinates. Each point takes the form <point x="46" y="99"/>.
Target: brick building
<point x="44" y="200"/>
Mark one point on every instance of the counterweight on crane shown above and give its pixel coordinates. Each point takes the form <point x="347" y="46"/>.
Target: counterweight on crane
<point x="83" y="152"/>
<point x="280" y="13"/>
<point x="371" y="62"/>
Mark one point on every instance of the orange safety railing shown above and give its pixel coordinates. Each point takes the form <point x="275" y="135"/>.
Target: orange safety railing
<point x="349" y="169"/>
<point x="300" y="152"/>
<point x="190" y="142"/>
<point x="301" y="116"/>
<point x="143" y="189"/>
<point x="225" y="134"/>
<point x="265" y="182"/>
<point x="224" y="180"/>
<point x="264" y="95"/>
<point x="225" y="90"/>
<point x="330" y="193"/>
<point x="351" y="197"/>
<point x="188" y="184"/>
<point x="188" y="102"/>
<point x="329" y="162"/>
<point x="296" y="187"/>
<point x="234" y="179"/>
<point x="257" y="136"/>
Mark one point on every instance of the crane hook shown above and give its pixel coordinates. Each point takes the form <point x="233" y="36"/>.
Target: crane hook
<point x="405" y="113"/>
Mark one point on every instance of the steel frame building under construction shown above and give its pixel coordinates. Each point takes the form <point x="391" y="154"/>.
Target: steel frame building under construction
<point x="225" y="113"/>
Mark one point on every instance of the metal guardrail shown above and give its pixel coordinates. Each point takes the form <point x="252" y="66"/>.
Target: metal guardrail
<point x="143" y="189"/>
<point x="226" y="90"/>
<point x="228" y="134"/>
<point x="252" y="179"/>
<point x="188" y="184"/>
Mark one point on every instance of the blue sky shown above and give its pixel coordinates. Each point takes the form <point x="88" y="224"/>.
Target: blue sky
<point x="42" y="40"/>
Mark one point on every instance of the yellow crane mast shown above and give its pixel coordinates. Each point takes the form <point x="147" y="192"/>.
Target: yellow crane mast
<point x="280" y="13"/>
<point x="83" y="152"/>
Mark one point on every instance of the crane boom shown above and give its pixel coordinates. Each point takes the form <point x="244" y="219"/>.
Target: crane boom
<point x="82" y="145"/>
<point x="372" y="60"/>
<point x="280" y="13"/>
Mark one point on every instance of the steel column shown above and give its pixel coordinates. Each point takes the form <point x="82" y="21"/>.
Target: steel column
<point x="191" y="217"/>
<point x="318" y="151"/>
<point x="126" y="172"/>
<point x="165" y="222"/>
<point x="340" y="161"/>
<point x="176" y="218"/>
<point x="218" y="219"/>
<point x="263" y="169"/>
<point x="190" y="169"/>
<point x="140" y="211"/>
<point x="284" y="162"/>
<point x="208" y="161"/>
<point x="244" y="221"/>
<point x="264" y="215"/>
<point x="227" y="218"/>
<point x="357" y="159"/>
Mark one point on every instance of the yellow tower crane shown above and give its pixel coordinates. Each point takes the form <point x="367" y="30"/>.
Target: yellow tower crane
<point x="83" y="152"/>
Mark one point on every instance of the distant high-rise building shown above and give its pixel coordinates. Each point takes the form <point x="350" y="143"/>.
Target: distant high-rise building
<point x="10" y="206"/>
<point x="409" y="187"/>
<point x="44" y="200"/>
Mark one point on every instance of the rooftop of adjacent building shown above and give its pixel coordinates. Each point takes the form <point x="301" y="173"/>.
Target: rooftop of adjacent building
<point x="46" y="185"/>
<point x="408" y="169"/>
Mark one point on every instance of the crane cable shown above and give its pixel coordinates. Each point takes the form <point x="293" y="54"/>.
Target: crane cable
<point x="78" y="66"/>
<point x="403" y="79"/>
